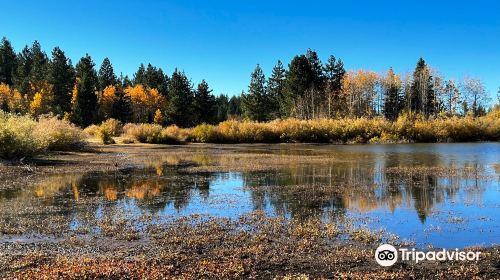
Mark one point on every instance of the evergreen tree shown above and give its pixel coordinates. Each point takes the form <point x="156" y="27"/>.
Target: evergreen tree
<point x="318" y="77"/>
<point x="222" y="107"/>
<point x="391" y="86"/>
<point x="21" y="78"/>
<point x="422" y="91"/>
<point x="122" y="106"/>
<point x="256" y="102"/>
<point x="39" y="68"/>
<point x="62" y="78"/>
<point x="139" y="76"/>
<point x="107" y="75"/>
<point x="8" y="62"/>
<point x="154" y="78"/>
<point x="234" y="106"/>
<point x="298" y="81"/>
<point x="275" y="88"/>
<point x="204" y="104"/>
<point x="180" y="109"/>
<point x="125" y="81"/>
<point x="334" y="74"/>
<point x="85" y="106"/>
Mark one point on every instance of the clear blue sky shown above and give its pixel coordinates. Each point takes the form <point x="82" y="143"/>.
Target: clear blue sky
<point x="222" y="41"/>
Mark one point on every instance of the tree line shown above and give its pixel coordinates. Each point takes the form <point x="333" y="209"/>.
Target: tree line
<point x="32" y="83"/>
<point x="309" y="89"/>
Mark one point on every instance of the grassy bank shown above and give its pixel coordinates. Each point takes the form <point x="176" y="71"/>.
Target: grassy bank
<point x="361" y="130"/>
<point x="23" y="136"/>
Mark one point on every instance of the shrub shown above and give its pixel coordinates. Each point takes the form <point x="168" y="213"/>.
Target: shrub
<point x="205" y="133"/>
<point x="91" y="130"/>
<point x="60" y="135"/>
<point x="151" y="133"/>
<point x="108" y="129"/>
<point x="22" y="136"/>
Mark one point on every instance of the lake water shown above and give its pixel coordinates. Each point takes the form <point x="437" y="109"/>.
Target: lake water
<point x="444" y="195"/>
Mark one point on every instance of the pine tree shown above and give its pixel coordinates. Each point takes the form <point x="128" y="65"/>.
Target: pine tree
<point x="298" y="81"/>
<point x="39" y="69"/>
<point x="139" y="76"/>
<point x="256" y="102"/>
<point x="275" y="89"/>
<point x="154" y="78"/>
<point x="334" y="74"/>
<point x="21" y="77"/>
<point x="204" y="104"/>
<point x="62" y="78"/>
<point x="122" y="106"/>
<point x="8" y="62"/>
<point x="107" y="75"/>
<point x="180" y="109"/>
<point x="318" y="77"/>
<point x="234" y="106"/>
<point x="85" y="106"/>
<point x="125" y="81"/>
<point x="422" y="92"/>
<point x="222" y="102"/>
<point x="392" y="88"/>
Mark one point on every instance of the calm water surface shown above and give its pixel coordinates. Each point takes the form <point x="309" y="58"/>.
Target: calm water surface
<point x="426" y="204"/>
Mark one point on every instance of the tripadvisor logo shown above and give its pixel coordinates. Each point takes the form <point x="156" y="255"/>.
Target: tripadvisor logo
<point x="387" y="255"/>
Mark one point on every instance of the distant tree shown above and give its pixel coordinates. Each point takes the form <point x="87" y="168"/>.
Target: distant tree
<point x="275" y="89"/>
<point x="85" y="97"/>
<point x="8" y="62"/>
<point x="21" y="77"/>
<point x="107" y="76"/>
<point x="256" y="102"/>
<point x="234" y="106"/>
<point x="475" y="96"/>
<point x="61" y="76"/>
<point x="298" y="82"/>
<point x="39" y="69"/>
<point x="181" y="99"/>
<point x="422" y="91"/>
<point x="155" y="78"/>
<point x="391" y="87"/>
<point x="140" y="75"/>
<point x="451" y="97"/>
<point x="334" y="74"/>
<point x="222" y="102"/>
<point x="122" y="106"/>
<point x="125" y="81"/>
<point x="145" y="102"/>
<point x="32" y="66"/>
<point x="205" y="104"/>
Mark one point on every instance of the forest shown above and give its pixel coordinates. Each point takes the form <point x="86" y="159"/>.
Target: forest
<point x="307" y="101"/>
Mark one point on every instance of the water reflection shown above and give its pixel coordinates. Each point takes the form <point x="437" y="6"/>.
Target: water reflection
<point x="407" y="182"/>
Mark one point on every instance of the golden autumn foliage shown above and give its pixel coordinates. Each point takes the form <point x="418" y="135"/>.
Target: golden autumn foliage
<point x="11" y="99"/>
<point x="106" y="101"/>
<point x="42" y="99"/>
<point x="145" y="102"/>
<point x="158" y="118"/>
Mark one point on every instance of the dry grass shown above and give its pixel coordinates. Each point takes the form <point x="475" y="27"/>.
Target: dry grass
<point x="23" y="136"/>
<point x="407" y="128"/>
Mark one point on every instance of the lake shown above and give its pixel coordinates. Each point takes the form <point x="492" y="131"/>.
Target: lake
<point x="440" y="195"/>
